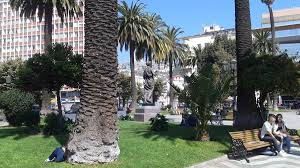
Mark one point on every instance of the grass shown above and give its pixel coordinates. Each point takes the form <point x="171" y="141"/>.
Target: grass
<point x="139" y="147"/>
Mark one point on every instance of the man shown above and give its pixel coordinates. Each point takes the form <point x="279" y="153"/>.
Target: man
<point x="58" y="155"/>
<point x="269" y="134"/>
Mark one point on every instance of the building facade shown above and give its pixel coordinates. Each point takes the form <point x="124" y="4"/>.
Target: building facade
<point x="21" y="38"/>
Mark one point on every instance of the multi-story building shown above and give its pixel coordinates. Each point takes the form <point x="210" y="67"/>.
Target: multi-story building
<point x="22" y="38"/>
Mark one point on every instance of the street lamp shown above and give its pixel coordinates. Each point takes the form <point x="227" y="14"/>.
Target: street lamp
<point x="233" y="64"/>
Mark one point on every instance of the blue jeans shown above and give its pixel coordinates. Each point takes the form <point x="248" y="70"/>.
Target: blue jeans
<point x="287" y="143"/>
<point x="58" y="154"/>
<point x="272" y="140"/>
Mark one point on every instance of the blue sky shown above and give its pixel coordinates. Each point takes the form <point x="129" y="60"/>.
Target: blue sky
<point x="192" y="15"/>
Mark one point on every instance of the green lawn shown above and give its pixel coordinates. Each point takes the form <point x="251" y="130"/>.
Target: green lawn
<point x="139" y="147"/>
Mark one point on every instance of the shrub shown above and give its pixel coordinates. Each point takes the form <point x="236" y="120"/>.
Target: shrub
<point x="17" y="107"/>
<point x="52" y="125"/>
<point x="126" y="118"/>
<point x="159" y="123"/>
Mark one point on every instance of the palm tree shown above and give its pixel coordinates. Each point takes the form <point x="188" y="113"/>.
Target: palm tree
<point x="44" y="9"/>
<point x="94" y="139"/>
<point x="269" y="3"/>
<point x="262" y="44"/>
<point x="134" y="30"/>
<point x="176" y="55"/>
<point x="246" y="115"/>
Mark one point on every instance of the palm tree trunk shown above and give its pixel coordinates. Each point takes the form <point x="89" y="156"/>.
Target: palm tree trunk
<point x="272" y="29"/>
<point x="94" y="139"/>
<point x="275" y="95"/>
<point x="48" y="25"/>
<point x="60" y="122"/>
<point x="247" y="116"/>
<point x="171" y="92"/>
<point x="133" y="83"/>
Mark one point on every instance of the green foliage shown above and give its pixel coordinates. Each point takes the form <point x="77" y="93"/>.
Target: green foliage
<point x="159" y="89"/>
<point x="17" y="106"/>
<point x="140" y="93"/>
<point x="124" y="87"/>
<point x="270" y="73"/>
<point x="31" y="8"/>
<point x="126" y="118"/>
<point x="262" y="43"/>
<point x="203" y="92"/>
<point x="159" y="123"/>
<point x="52" y="127"/>
<point x="221" y="50"/>
<point x="52" y="70"/>
<point x="8" y="73"/>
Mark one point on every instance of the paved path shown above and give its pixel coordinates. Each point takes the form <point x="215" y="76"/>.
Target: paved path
<point x="259" y="161"/>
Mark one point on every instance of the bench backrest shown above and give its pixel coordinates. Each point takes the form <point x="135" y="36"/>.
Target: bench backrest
<point x="247" y="135"/>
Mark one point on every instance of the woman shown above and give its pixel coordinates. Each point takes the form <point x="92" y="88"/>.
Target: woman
<point x="283" y="131"/>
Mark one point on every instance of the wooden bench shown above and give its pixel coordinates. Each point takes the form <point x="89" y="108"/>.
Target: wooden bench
<point x="246" y="141"/>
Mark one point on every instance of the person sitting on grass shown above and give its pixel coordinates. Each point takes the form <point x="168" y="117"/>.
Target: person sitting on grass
<point x="282" y="129"/>
<point x="269" y="134"/>
<point x="58" y="155"/>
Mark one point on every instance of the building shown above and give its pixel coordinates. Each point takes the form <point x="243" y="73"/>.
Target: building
<point x="22" y="38"/>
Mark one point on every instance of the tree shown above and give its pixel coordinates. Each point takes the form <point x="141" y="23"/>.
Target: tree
<point x="58" y="67"/>
<point x="94" y="138"/>
<point x="269" y="3"/>
<point x="268" y="73"/>
<point x="124" y="88"/>
<point x="247" y="116"/>
<point x="8" y="73"/>
<point x="175" y="55"/>
<point x="134" y="30"/>
<point x="203" y="92"/>
<point x="262" y="44"/>
<point x="159" y="89"/>
<point x="44" y="9"/>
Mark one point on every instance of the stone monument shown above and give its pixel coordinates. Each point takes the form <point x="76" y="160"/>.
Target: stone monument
<point x="148" y="109"/>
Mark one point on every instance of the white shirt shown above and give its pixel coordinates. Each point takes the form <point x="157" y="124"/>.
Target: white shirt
<point x="267" y="127"/>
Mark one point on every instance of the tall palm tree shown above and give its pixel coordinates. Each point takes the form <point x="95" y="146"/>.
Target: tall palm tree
<point x="44" y="9"/>
<point x="269" y="4"/>
<point x="94" y="138"/>
<point x="133" y="31"/>
<point x="176" y="55"/>
<point x="262" y="44"/>
<point x="246" y="115"/>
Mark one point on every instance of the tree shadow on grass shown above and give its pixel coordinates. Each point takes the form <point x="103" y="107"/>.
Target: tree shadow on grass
<point x="61" y="138"/>
<point x="18" y="132"/>
<point x="217" y="133"/>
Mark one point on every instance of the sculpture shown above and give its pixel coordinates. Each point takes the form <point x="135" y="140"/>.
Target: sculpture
<point x="148" y="84"/>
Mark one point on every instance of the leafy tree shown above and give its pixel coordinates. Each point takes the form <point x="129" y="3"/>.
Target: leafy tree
<point x="140" y="93"/>
<point x="135" y="29"/>
<point x="203" y="92"/>
<point x="51" y="71"/>
<point x="8" y="73"/>
<point x="124" y="88"/>
<point x="17" y="107"/>
<point x="175" y="56"/>
<point x="159" y="89"/>
<point x="94" y="138"/>
<point x="270" y="73"/>
<point x="246" y="117"/>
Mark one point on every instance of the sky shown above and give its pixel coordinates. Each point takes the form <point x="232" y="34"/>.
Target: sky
<point x="192" y="15"/>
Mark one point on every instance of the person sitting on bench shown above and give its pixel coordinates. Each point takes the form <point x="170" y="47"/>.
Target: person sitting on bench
<point x="269" y="134"/>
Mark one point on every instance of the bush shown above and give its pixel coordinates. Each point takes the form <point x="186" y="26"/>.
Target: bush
<point x="52" y="125"/>
<point x="17" y="107"/>
<point x="126" y="118"/>
<point x="159" y="123"/>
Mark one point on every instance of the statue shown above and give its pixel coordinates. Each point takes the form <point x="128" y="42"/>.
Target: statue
<point x="148" y="84"/>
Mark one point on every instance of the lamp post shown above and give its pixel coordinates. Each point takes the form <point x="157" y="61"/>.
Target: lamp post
<point x="233" y="71"/>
